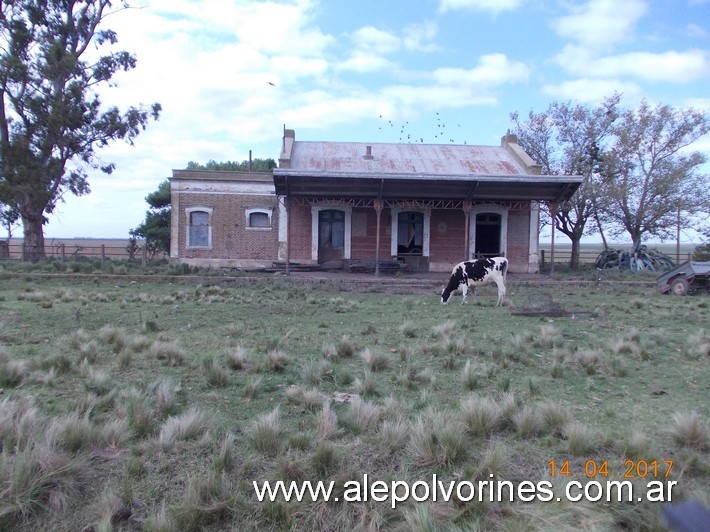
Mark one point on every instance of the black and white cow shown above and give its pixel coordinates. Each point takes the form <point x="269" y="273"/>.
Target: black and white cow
<point x="475" y="273"/>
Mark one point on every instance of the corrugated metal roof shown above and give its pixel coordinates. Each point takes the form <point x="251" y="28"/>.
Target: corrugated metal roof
<point x="391" y="159"/>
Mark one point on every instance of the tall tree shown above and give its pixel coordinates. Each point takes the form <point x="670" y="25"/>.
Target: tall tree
<point x="651" y="174"/>
<point x="569" y="139"/>
<point x="51" y="118"/>
<point x="155" y="229"/>
<point x="257" y="165"/>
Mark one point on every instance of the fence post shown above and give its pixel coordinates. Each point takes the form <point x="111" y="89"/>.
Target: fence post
<point x="144" y="256"/>
<point x="103" y="252"/>
<point x="61" y="250"/>
<point x="542" y="258"/>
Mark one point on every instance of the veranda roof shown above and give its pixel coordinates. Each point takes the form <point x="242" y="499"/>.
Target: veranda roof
<point x="416" y="172"/>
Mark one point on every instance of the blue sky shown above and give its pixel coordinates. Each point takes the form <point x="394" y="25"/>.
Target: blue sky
<point x="372" y="71"/>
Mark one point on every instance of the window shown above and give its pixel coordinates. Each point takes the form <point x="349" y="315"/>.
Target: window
<point x="198" y="234"/>
<point x="410" y="233"/>
<point x="332" y="229"/>
<point x="258" y="218"/>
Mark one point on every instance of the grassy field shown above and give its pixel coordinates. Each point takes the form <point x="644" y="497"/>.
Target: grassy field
<point x="154" y="405"/>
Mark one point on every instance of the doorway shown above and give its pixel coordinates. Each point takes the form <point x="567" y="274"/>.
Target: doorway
<point x="331" y="235"/>
<point x="488" y="229"/>
<point x="410" y="233"/>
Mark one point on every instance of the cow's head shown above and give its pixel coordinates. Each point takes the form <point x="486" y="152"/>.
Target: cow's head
<point x="456" y="279"/>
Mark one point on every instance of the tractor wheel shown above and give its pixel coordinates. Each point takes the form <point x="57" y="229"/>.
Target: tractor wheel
<point x="679" y="286"/>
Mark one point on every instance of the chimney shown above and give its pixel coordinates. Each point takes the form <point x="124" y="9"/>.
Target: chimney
<point x="368" y="153"/>
<point x="508" y="138"/>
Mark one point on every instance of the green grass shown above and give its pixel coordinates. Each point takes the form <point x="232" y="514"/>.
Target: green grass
<point x="250" y="379"/>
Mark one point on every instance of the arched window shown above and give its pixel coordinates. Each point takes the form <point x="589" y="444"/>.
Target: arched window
<point x="258" y="218"/>
<point x="199" y="230"/>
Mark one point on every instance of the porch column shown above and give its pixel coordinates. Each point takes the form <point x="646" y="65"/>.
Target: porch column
<point x="287" y="205"/>
<point x="467" y="206"/>
<point x="553" y="214"/>
<point x="378" y="203"/>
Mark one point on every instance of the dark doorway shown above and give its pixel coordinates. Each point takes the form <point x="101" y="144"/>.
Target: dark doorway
<point x="487" y="235"/>
<point x="410" y="233"/>
<point x="331" y="235"/>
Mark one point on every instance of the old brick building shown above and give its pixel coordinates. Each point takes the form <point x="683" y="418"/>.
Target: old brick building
<point x="429" y="206"/>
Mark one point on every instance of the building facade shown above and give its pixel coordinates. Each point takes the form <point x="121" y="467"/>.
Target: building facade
<point x="427" y="206"/>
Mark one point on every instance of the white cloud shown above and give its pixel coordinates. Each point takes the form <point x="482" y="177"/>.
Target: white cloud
<point x="361" y="61"/>
<point x="493" y="6"/>
<point x="670" y="66"/>
<point x="599" y="24"/>
<point x="492" y="70"/>
<point x="588" y="90"/>
<point x="695" y="30"/>
<point x="371" y="38"/>
<point x="420" y="37"/>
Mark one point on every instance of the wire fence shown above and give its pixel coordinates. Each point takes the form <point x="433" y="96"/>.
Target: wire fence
<point x="67" y="250"/>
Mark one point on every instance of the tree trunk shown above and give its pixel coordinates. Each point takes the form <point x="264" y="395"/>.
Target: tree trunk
<point x="33" y="244"/>
<point x="574" y="257"/>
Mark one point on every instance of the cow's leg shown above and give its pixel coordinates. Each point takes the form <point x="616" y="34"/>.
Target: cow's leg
<point x="501" y="292"/>
<point x="473" y="289"/>
<point x="464" y="291"/>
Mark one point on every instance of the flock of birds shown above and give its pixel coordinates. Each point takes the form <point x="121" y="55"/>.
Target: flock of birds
<point x="406" y="136"/>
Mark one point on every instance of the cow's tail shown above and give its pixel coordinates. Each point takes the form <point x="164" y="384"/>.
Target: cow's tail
<point x="504" y="268"/>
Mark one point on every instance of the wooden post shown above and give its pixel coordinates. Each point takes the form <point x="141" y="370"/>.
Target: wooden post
<point x="144" y="256"/>
<point x="553" y="209"/>
<point x="677" y="239"/>
<point x="61" y="248"/>
<point x="378" y="211"/>
<point x="103" y="252"/>
<point x="287" y="205"/>
<point x="467" y="206"/>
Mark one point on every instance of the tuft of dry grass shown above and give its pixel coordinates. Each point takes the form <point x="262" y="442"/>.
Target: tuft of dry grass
<point x="527" y="421"/>
<point x="438" y="438"/>
<point x="168" y="351"/>
<point x="393" y="434"/>
<point x="115" y="433"/>
<point x="345" y="347"/>
<point x="589" y="359"/>
<point x="481" y="415"/>
<point x="215" y="374"/>
<point x="408" y="329"/>
<point x="366" y="386"/>
<point x="185" y="427"/>
<point x="470" y="376"/>
<point x="361" y="416"/>
<point x="549" y="337"/>
<point x="276" y="360"/>
<point x="204" y="501"/>
<point x="238" y="358"/>
<point x="266" y="433"/>
<point x="252" y="388"/>
<point x="375" y="360"/>
<point x="581" y="438"/>
<point x="327" y="423"/>
<point x="444" y="330"/>
<point x="690" y="430"/>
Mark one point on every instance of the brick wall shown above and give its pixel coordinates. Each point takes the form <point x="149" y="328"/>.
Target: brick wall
<point x="447" y="246"/>
<point x="518" y="240"/>
<point x="364" y="233"/>
<point x="234" y="243"/>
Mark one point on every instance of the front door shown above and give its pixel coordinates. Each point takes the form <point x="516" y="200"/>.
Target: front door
<point x="410" y="233"/>
<point x="331" y="235"/>
<point x="487" y="235"/>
